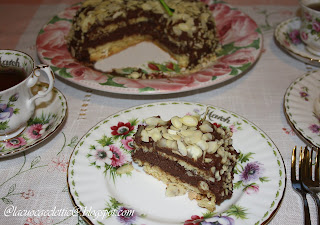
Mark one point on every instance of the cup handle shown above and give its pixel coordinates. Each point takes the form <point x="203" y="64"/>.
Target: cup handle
<point x="35" y="77"/>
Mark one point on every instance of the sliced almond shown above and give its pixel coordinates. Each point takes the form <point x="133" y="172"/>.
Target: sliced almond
<point x="127" y="168"/>
<point x="204" y="186"/>
<point x="203" y="145"/>
<point x="191" y="121"/>
<point x="206" y="128"/>
<point x="176" y="137"/>
<point x="182" y="148"/>
<point x="173" y="132"/>
<point x="194" y="151"/>
<point x="207" y="137"/>
<point x="144" y="136"/>
<point x="197" y="136"/>
<point x="212" y="147"/>
<point x="167" y="136"/>
<point x="187" y="132"/>
<point x="162" y="143"/>
<point x="154" y="121"/>
<point x="155" y="134"/>
<point x="176" y="122"/>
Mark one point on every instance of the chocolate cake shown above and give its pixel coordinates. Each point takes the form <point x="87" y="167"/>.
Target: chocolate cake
<point x="101" y="28"/>
<point x="189" y="155"/>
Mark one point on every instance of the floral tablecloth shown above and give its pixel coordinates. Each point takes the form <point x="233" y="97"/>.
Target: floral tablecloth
<point x="36" y="179"/>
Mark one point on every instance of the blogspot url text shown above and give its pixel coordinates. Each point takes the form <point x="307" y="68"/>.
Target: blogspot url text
<point x="12" y="210"/>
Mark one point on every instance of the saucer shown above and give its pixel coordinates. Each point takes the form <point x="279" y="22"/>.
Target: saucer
<point x="50" y="113"/>
<point x="287" y="37"/>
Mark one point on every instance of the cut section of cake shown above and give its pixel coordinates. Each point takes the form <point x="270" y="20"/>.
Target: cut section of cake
<point x="102" y="28"/>
<point x="188" y="154"/>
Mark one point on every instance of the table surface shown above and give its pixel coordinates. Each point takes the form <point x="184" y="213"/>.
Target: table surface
<point x="257" y="96"/>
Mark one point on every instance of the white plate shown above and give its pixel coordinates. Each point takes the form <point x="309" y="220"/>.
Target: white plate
<point x="94" y="185"/>
<point x="288" y="38"/>
<point x="50" y="113"/>
<point x="299" y="102"/>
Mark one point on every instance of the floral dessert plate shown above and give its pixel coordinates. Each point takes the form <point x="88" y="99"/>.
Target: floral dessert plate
<point x="288" y="38"/>
<point x="50" y="113"/>
<point x="240" y="38"/>
<point x="299" y="105"/>
<point x="105" y="194"/>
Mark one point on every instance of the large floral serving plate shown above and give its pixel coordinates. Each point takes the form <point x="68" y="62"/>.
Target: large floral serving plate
<point x="105" y="196"/>
<point x="287" y="36"/>
<point x="50" y="112"/>
<point x="240" y="38"/>
<point x="299" y="105"/>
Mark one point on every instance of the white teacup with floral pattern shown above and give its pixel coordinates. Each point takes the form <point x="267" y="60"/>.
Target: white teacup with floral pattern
<point x="17" y="102"/>
<point x="310" y="25"/>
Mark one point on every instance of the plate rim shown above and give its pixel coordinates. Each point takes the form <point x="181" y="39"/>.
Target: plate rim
<point x="266" y="221"/>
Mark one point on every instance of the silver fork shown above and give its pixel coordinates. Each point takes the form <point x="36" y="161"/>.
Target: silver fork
<point x="297" y="184"/>
<point x="310" y="177"/>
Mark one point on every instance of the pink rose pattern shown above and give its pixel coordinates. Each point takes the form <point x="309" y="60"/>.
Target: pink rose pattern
<point x="16" y="142"/>
<point x="234" y="28"/>
<point x="127" y="143"/>
<point x="36" y="129"/>
<point x="118" y="157"/>
<point x="294" y="37"/>
<point x="313" y="25"/>
<point x="112" y="152"/>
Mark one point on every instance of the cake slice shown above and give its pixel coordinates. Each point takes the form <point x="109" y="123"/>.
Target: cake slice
<point x="189" y="155"/>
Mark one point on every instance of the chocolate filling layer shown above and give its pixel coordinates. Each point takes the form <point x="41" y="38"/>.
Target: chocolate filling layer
<point x="178" y="171"/>
<point x="216" y="159"/>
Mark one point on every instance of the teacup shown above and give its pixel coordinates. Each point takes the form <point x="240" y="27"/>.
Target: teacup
<point x="310" y="25"/>
<point x="17" y="75"/>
